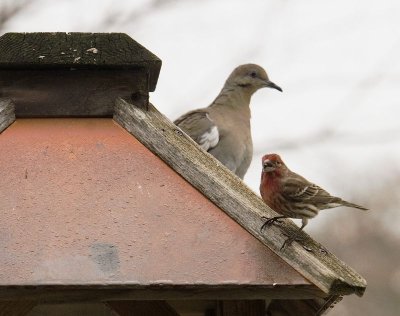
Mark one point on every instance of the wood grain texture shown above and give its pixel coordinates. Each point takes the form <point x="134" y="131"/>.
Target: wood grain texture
<point x="7" y="114"/>
<point x="148" y="308"/>
<point x="229" y="193"/>
<point x="72" y="93"/>
<point x="16" y="308"/>
<point x="63" y="293"/>
<point x="77" y="50"/>
<point x="241" y="308"/>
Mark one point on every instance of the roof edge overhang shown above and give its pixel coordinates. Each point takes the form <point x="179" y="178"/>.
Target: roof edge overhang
<point x="231" y="195"/>
<point x="130" y="291"/>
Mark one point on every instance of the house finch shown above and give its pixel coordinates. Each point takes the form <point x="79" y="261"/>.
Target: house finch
<point x="223" y="128"/>
<point x="291" y="195"/>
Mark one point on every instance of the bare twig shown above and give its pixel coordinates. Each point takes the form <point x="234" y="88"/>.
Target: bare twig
<point x="113" y="19"/>
<point x="331" y="136"/>
<point x="9" y="9"/>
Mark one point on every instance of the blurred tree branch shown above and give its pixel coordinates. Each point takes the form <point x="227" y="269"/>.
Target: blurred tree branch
<point x="330" y="135"/>
<point x="358" y="93"/>
<point x="114" y="19"/>
<point x="9" y="9"/>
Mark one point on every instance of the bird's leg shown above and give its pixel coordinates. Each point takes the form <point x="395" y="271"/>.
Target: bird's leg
<point x="291" y="238"/>
<point x="271" y="220"/>
<point x="295" y="236"/>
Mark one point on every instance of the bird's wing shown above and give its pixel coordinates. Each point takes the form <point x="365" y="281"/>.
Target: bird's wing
<point x="200" y="127"/>
<point x="298" y="189"/>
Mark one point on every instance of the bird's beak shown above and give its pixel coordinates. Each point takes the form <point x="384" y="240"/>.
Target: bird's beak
<point x="270" y="84"/>
<point x="268" y="166"/>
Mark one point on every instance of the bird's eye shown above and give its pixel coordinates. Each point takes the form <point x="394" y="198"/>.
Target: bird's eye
<point x="253" y="74"/>
<point x="278" y="163"/>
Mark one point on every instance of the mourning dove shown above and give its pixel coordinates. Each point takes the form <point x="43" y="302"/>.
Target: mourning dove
<point x="223" y="128"/>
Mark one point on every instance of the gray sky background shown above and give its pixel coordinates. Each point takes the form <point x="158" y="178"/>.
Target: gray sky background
<point x="337" y="121"/>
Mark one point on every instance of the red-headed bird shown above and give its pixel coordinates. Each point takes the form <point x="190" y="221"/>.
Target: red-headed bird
<point x="293" y="196"/>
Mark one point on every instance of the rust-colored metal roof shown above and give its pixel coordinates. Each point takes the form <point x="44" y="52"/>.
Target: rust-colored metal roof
<point x="82" y="202"/>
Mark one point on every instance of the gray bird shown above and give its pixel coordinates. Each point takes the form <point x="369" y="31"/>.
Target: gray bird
<point x="223" y="128"/>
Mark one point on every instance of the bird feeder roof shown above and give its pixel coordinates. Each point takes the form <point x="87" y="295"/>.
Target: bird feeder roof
<point x="131" y="207"/>
<point x="86" y="204"/>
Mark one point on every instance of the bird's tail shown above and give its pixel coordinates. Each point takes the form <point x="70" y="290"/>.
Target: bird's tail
<point x="348" y="204"/>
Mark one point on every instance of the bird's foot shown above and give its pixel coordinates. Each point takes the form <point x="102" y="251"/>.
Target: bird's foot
<point x="271" y="220"/>
<point x="290" y="239"/>
<point x="323" y="250"/>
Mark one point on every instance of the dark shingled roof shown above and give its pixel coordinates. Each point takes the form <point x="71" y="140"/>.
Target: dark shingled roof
<point x="76" y="50"/>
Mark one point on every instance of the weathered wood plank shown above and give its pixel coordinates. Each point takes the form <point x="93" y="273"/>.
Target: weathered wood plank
<point x="241" y="308"/>
<point x="7" y="114"/>
<point x="72" y="93"/>
<point x="228" y="192"/>
<point x="148" y="308"/>
<point x="15" y="308"/>
<point x="77" y="50"/>
<point x="63" y="293"/>
<point x="72" y="309"/>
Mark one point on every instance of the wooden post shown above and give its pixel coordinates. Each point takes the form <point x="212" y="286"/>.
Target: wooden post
<point x="15" y="308"/>
<point x="315" y="307"/>
<point x="241" y="308"/>
<point x="148" y="308"/>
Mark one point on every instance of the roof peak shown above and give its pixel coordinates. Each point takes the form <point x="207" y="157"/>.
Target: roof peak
<point x="78" y="51"/>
